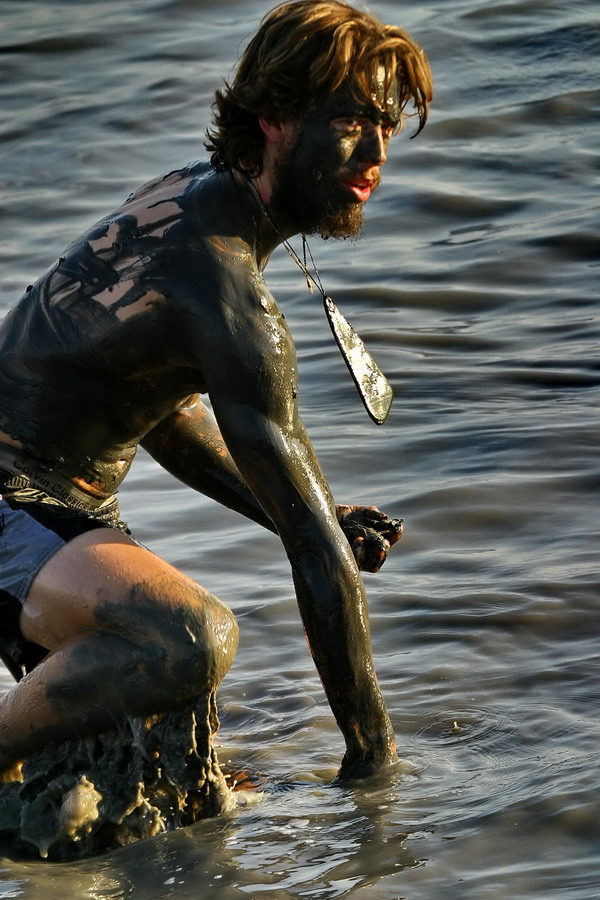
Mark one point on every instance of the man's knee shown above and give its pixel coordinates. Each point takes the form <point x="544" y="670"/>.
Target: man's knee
<point x="210" y="634"/>
<point x="187" y="637"/>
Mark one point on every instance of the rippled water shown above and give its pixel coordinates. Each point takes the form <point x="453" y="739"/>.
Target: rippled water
<point x="477" y="287"/>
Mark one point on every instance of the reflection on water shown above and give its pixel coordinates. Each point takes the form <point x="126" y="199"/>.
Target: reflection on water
<point x="476" y="287"/>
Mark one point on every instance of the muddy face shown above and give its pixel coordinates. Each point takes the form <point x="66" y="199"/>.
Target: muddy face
<point x="334" y="164"/>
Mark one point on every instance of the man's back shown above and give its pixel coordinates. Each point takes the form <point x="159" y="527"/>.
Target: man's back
<point x="109" y="341"/>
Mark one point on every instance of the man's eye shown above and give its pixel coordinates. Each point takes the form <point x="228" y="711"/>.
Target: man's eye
<point x="347" y="126"/>
<point x="357" y="126"/>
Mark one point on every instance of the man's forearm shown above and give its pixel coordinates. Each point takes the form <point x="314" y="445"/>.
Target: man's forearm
<point x="189" y="445"/>
<point x="333" y="606"/>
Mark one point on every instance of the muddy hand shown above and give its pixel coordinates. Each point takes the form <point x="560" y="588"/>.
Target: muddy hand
<point x="370" y="533"/>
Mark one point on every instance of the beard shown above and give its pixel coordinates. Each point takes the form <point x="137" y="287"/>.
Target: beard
<point x="307" y="194"/>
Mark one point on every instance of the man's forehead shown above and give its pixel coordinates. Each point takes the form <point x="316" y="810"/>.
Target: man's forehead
<point x="379" y="104"/>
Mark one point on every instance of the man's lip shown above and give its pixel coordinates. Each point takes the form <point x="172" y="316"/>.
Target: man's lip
<point x="360" y="187"/>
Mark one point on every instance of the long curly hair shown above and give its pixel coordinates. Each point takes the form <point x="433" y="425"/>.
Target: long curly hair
<point x="303" y="48"/>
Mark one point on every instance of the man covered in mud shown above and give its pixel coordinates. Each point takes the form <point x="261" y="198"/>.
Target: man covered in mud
<point x="161" y="302"/>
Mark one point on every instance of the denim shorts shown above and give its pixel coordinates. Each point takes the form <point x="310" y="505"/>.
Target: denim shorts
<point x="30" y="534"/>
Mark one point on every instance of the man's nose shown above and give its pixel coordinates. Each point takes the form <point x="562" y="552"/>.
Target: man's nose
<point x="374" y="146"/>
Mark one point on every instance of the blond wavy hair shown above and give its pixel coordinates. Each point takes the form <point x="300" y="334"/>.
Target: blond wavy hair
<point x="304" y="48"/>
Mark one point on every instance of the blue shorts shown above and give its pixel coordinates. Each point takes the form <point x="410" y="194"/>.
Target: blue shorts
<point x="30" y="534"/>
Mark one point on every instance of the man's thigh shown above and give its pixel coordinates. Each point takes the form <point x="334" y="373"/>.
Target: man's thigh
<point x="104" y="580"/>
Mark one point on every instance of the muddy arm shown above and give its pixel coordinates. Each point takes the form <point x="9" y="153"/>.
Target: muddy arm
<point x="282" y="470"/>
<point x="189" y="445"/>
<point x="257" y="414"/>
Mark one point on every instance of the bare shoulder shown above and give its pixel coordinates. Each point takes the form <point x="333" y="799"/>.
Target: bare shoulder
<point x="164" y="202"/>
<point x="135" y="260"/>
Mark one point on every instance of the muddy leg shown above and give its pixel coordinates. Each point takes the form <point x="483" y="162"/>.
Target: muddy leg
<point x="127" y="634"/>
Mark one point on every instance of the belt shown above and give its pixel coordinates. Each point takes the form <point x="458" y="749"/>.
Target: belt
<point x="20" y="472"/>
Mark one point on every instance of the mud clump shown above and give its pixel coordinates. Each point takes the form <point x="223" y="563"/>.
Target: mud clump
<point x="95" y="794"/>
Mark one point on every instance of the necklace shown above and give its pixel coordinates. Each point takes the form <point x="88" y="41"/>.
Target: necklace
<point x="373" y="387"/>
<point x="312" y="281"/>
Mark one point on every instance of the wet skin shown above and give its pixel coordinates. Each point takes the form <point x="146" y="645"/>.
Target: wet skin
<point x="159" y="302"/>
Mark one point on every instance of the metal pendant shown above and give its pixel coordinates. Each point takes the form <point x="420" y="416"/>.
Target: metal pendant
<point x="373" y="387"/>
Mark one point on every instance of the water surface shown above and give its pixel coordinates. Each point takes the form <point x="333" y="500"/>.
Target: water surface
<point x="476" y="287"/>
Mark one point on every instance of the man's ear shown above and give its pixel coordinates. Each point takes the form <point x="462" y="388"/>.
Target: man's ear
<point x="274" y="131"/>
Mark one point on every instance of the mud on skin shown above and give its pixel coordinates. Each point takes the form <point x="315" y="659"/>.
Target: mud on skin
<point x="103" y="312"/>
<point x="179" y="652"/>
<point x="119" y="336"/>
